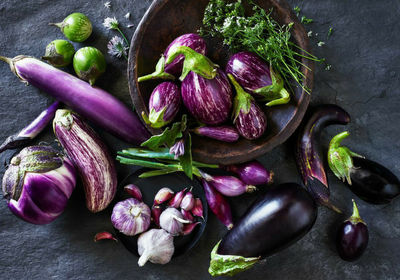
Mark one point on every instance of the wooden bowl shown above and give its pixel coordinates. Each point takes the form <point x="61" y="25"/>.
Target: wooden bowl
<point x="167" y="19"/>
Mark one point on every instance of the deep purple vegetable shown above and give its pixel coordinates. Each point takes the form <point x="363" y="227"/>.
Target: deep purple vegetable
<point x="175" y="202"/>
<point x="91" y="158"/>
<point x="228" y="185"/>
<point x="258" y="78"/>
<point x="208" y="100"/>
<point x="218" y="204"/>
<point x="249" y="119"/>
<point x="223" y="133"/>
<point x="252" y="173"/>
<point x="164" y="104"/>
<point x="352" y="237"/>
<point x="276" y="220"/>
<point x="155" y="214"/>
<point x="32" y="130"/>
<point x="93" y="103"/>
<point x="308" y="155"/>
<point x="38" y="183"/>
<point x="191" y="40"/>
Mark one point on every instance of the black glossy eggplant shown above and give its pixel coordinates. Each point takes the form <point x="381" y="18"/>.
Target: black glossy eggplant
<point x="352" y="237"/>
<point x="276" y="220"/>
<point x="308" y="153"/>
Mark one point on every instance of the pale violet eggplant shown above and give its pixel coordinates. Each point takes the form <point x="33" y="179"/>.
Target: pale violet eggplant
<point x="249" y="119"/>
<point x="164" y="104"/>
<point x="32" y="130"/>
<point x="225" y="133"/>
<point x="131" y="216"/>
<point x="208" y="100"/>
<point x="90" y="156"/>
<point x="258" y="78"/>
<point x="252" y="173"/>
<point x="38" y="183"/>
<point x="93" y="103"/>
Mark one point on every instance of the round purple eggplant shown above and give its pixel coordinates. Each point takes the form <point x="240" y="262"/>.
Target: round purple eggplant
<point x="249" y="119"/>
<point x="191" y="40"/>
<point x="164" y="104"/>
<point x="252" y="173"/>
<point x="223" y="133"/>
<point x="258" y="78"/>
<point x="352" y="237"/>
<point x="276" y="220"/>
<point x="208" y="100"/>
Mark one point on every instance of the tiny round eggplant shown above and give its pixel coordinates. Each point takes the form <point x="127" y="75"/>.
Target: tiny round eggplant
<point x="279" y="218"/>
<point x="208" y="100"/>
<point x="191" y="40"/>
<point x="59" y="53"/>
<point x="352" y="237"/>
<point x="225" y="133"/>
<point x="76" y="27"/>
<point x="252" y="173"/>
<point x="89" y="64"/>
<point x="258" y="78"/>
<point x="249" y="119"/>
<point x="164" y="104"/>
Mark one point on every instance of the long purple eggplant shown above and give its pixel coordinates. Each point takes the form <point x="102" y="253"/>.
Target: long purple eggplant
<point x="308" y="155"/>
<point x="93" y="103"/>
<point x="223" y="133"/>
<point x="32" y="130"/>
<point x="249" y="119"/>
<point x="208" y="100"/>
<point x="164" y="104"/>
<point x="275" y="221"/>
<point x="91" y="158"/>
<point x="258" y="78"/>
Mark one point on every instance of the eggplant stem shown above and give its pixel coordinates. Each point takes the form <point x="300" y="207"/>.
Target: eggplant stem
<point x="6" y="59"/>
<point x="250" y="188"/>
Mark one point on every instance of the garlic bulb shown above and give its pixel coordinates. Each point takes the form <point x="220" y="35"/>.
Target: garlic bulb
<point x="131" y="216"/>
<point x="156" y="246"/>
<point x="172" y="221"/>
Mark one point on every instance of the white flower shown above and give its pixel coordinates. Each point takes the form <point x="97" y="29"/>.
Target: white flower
<point x="128" y="15"/>
<point x="116" y="47"/>
<point x="130" y="25"/>
<point x="320" y="43"/>
<point x="110" y="23"/>
<point x="107" y="4"/>
<point x="309" y="34"/>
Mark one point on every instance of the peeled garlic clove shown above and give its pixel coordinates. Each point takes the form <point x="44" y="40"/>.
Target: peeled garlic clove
<point x="187" y="201"/>
<point x="197" y="209"/>
<point x="172" y="221"/>
<point x="175" y="202"/>
<point x="163" y="195"/>
<point x="156" y="246"/>
<point x="188" y="228"/>
<point x="134" y="191"/>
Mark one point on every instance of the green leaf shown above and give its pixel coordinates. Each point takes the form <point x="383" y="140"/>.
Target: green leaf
<point x="186" y="159"/>
<point x="154" y="173"/>
<point x="168" y="137"/>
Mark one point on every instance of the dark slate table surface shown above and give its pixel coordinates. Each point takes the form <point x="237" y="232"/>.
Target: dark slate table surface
<point x="364" y="79"/>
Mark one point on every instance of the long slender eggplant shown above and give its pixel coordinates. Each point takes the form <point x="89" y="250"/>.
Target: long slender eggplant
<point x="91" y="158"/>
<point x="223" y="133"/>
<point x="276" y="220"/>
<point x="93" y="103"/>
<point x="32" y="130"/>
<point x="308" y="155"/>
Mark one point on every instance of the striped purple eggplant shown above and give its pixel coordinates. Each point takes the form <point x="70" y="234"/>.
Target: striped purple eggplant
<point x="258" y="78"/>
<point x="208" y="100"/>
<point x="164" y="104"/>
<point x="32" y="130"/>
<point x="38" y="183"/>
<point x="93" y="103"/>
<point x="308" y="155"/>
<point x="225" y="133"/>
<point x="191" y="40"/>
<point x="90" y="157"/>
<point x="249" y="119"/>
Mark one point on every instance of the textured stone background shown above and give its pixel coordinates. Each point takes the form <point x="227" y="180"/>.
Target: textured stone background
<point x="364" y="53"/>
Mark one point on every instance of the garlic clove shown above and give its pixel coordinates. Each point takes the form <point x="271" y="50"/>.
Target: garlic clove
<point x="134" y="191"/>
<point x="188" y="228"/>
<point x="175" y="202"/>
<point x="172" y="221"/>
<point x="163" y="195"/>
<point x="197" y="209"/>
<point x="188" y="201"/>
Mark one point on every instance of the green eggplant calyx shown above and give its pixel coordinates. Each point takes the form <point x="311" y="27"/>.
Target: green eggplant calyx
<point x="275" y="93"/>
<point x="229" y="265"/>
<point x="194" y="61"/>
<point x="159" y="73"/>
<point x="340" y="158"/>
<point x="64" y="118"/>
<point x="355" y="217"/>
<point x="242" y="100"/>
<point x="156" y="119"/>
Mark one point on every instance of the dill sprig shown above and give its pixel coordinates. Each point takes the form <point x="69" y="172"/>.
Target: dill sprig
<point x="258" y="33"/>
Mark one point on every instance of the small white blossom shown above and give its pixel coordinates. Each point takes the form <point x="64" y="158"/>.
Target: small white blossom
<point x="107" y="4"/>
<point x="116" y="47"/>
<point x="128" y="15"/>
<point x="130" y="25"/>
<point x="111" y="23"/>
<point x="320" y="43"/>
<point x="328" y="67"/>
<point x="309" y="34"/>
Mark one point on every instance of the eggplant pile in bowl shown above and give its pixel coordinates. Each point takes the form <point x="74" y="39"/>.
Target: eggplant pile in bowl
<point x="167" y="20"/>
